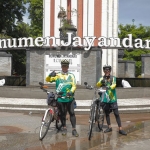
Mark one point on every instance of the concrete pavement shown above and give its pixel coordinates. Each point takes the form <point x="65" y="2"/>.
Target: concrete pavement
<point x="134" y="113"/>
<point x="19" y="131"/>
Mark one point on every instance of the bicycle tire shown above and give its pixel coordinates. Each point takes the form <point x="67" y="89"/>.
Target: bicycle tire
<point x="45" y="125"/>
<point x="100" y="119"/>
<point x="92" y="113"/>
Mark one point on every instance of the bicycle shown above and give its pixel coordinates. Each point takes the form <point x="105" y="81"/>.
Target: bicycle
<point x="96" y="111"/>
<point x="51" y="114"/>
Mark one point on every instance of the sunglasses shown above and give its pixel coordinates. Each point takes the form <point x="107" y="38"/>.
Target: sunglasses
<point x="64" y="65"/>
<point x="106" y="69"/>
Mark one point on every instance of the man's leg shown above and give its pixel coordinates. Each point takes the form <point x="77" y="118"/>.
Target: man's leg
<point x="109" y="129"/>
<point x="62" y="109"/>
<point x="118" y="120"/>
<point x="117" y="116"/>
<point x="70" y="108"/>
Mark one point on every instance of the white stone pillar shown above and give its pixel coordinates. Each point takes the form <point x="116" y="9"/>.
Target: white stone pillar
<point x="46" y="19"/>
<point x="104" y="29"/>
<point x="110" y="29"/>
<point x="115" y="34"/>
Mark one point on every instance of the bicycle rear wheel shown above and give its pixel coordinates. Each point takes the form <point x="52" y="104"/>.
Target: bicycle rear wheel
<point x="100" y="119"/>
<point x="58" y="123"/>
<point x="45" y="125"/>
<point x="92" y="114"/>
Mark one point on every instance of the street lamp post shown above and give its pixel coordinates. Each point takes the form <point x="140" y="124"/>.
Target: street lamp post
<point x="133" y="21"/>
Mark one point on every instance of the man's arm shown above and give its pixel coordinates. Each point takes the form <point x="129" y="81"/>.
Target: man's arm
<point x="52" y="77"/>
<point x="113" y="86"/>
<point x="73" y="84"/>
<point x="100" y="82"/>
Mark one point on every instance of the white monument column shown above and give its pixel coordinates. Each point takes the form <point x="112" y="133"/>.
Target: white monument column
<point x="46" y="19"/>
<point x="110" y="30"/>
<point x="115" y="34"/>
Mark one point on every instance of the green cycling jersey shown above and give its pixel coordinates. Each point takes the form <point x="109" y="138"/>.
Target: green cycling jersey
<point x="110" y="95"/>
<point x="65" y="82"/>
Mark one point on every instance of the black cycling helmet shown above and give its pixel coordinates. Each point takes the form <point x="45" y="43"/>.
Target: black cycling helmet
<point x="65" y="62"/>
<point x="106" y="66"/>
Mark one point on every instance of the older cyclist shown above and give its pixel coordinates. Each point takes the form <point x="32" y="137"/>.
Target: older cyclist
<point x="66" y="83"/>
<point x="110" y="98"/>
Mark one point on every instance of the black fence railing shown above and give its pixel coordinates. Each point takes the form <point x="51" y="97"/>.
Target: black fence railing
<point x="14" y="80"/>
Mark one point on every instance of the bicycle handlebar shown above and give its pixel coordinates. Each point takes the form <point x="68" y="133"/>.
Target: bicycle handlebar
<point x="59" y="94"/>
<point x="88" y="86"/>
<point x="103" y="88"/>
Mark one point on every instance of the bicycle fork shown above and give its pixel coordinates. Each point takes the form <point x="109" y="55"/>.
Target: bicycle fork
<point x="47" y="111"/>
<point x="92" y="118"/>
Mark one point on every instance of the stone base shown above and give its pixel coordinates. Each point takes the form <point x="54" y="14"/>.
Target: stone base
<point x="126" y="68"/>
<point x="145" y="65"/>
<point x="5" y="64"/>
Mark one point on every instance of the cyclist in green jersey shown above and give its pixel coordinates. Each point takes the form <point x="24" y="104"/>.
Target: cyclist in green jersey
<point x="65" y="83"/>
<point x="109" y="102"/>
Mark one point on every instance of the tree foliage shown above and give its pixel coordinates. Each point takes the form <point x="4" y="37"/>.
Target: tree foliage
<point x="21" y="29"/>
<point x="141" y="32"/>
<point x="19" y="56"/>
<point x="11" y="11"/>
<point x="36" y="15"/>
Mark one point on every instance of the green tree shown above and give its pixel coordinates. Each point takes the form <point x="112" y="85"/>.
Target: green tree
<point x="141" y="32"/>
<point x="21" y="29"/>
<point x="35" y="10"/>
<point x="11" y="11"/>
<point x="19" y="56"/>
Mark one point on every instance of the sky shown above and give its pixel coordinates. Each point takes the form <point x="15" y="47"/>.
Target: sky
<point x="25" y="17"/>
<point x="139" y="10"/>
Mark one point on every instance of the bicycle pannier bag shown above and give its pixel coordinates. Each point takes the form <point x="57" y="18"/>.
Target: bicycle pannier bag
<point x="51" y="99"/>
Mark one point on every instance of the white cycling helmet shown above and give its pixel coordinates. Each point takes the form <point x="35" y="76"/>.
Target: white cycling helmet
<point x="65" y="62"/>
<point x="106" y="66"/>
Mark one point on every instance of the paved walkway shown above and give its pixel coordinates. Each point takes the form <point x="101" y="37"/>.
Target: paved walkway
<point x="28" y="101"/>
<point x="125" y="105"/>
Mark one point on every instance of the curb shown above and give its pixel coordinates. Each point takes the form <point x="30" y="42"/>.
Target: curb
<point x="83" y="106"/>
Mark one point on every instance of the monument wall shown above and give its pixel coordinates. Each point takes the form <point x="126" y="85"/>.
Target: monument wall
<point x="87" y="70"/>
<point x="5" y="64"/>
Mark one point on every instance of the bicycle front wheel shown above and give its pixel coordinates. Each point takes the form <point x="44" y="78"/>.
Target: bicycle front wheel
<point x="45" y="125"/>
<point x="92" y="118"/>
<point x="100" y="119"/>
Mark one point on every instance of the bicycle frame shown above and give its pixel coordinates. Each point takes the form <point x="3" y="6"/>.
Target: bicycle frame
<point x="50" y="110"/>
